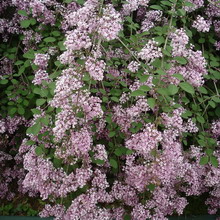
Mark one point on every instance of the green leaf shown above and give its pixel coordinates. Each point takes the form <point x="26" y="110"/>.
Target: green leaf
<point x="159" y="39"/>
<point x="49" y="39"/>
<point x="80" y="114"/>
<point x="56" y="33"/>
<point x="167" y="53"/>
<point x="123" y="84"/>
<point x="200" y="119"/>
<point x="151" y="102"/>
<point x="108" y="119"/>
<point x="157" y="7"/>
<point x="129" y="19"/>
<point x="214" y="161"/>
<point x="214" y="64"/>
<point x="189" y="4"/>
<point x="57" y="63"/>
<point x="163" y="91"/>
<point x="102" y="91"/>
<point x="120" y="151"/>
<point x="181" y="12"/>
<point x="33" y="21"/>
<point x="129" y="152"/>
<point x="178" y="76"/>
<point x="202" y="142"/>
<point x="112" y="134"/>
<point x="217" y="111"/>
<point x="39" y="151"/>
<point x="86" y="78"/>
<point x="144" y="88"/>
<point x="187" y="87"/>
<point x="80" y="61"/>
<point x="113" y="163"/>
<point x="105" y="99"/>
<point x="12" y="111"/>
<point x="21" y="69"/>
<point x="204" y="160"/>
<point x="166" y="3"/>
<point x="30" y="142"/>
<point x="100" y="162"/>
<point x="212" y="104"/>
<point x="151" y="187"/>
<point x="22" y="12"/>
<point x="25" y="23"/>
<point x="157" y="63"/>
<point x="143" y="78"/>
<point x="202" y="40"/>
<point x="127" y="217"/>
<point x="35" y="129"/>
<point x="3" y="81"/>
<point x="216" y="74"/>
<point x="203" y="90"/>
<point x="14" y="81"/>
<point x="45" y="120"/>
<point x="209" y="152"/>
<point x="181" y="60"/>
<point x="80" y="2"/>
<point x="61" y="45"/>
<point x="172" y="89"/>
<point x="211" y="141"/>
<point x="29" y="55"/>
<point x="36" y="111"/>
<point x="40" y="102"/>
<point x="216" y="99"/>
<point x="44" y="92"/>
<point x="161" y="72"/>
<point x="115" y="99"/>
<point x="57" y="162"/>
<point x="19" y="62"/>
<point x="138" y="93"/>
<point x="37" y="90"/>
<point x="21" y="111"/>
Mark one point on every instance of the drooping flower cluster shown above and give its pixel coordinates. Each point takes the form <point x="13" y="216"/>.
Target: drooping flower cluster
<point x="145" y="141"/>
<point x="40" y="76"/>
<point x="133" y="66"/>
<point x="150" y="51"/>
<point x="109" y="24"/>
<point x="119" y="93"/>
<point x="151" y="18"/>
<point x="77" y="40"/>
<point x="216" y="128"/>
<point x="125" y="116"/>
<point x="201" y="24"/>
<point x="41" y="60"/>
<point x="195" y="69"/>
<point x="174" y="121"/>
<point x="10" y="125"/>
<point x="179" y="41"/>
<point x="95" y="68"/>
<point x="195" y="5"/>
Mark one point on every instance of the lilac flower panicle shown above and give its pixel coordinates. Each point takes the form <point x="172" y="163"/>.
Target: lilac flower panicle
<point x="201" y="24"/>
<point x="41" y="60"/>
<point x="109" y="24"/>
<point x="145" y="141"/>
<point x="150" y="52"/>
<point x="95" y="68"/>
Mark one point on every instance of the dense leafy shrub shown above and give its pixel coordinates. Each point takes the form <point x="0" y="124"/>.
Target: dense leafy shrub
<point x="110" y="109"/>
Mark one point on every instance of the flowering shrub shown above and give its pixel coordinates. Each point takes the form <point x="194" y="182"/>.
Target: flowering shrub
<point x="110" y="109"/>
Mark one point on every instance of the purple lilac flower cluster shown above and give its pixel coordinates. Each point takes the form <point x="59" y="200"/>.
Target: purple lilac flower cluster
<point x="121" y="95"/>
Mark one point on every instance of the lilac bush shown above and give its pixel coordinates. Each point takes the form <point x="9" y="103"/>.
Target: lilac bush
<point x="110" y="108"/>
